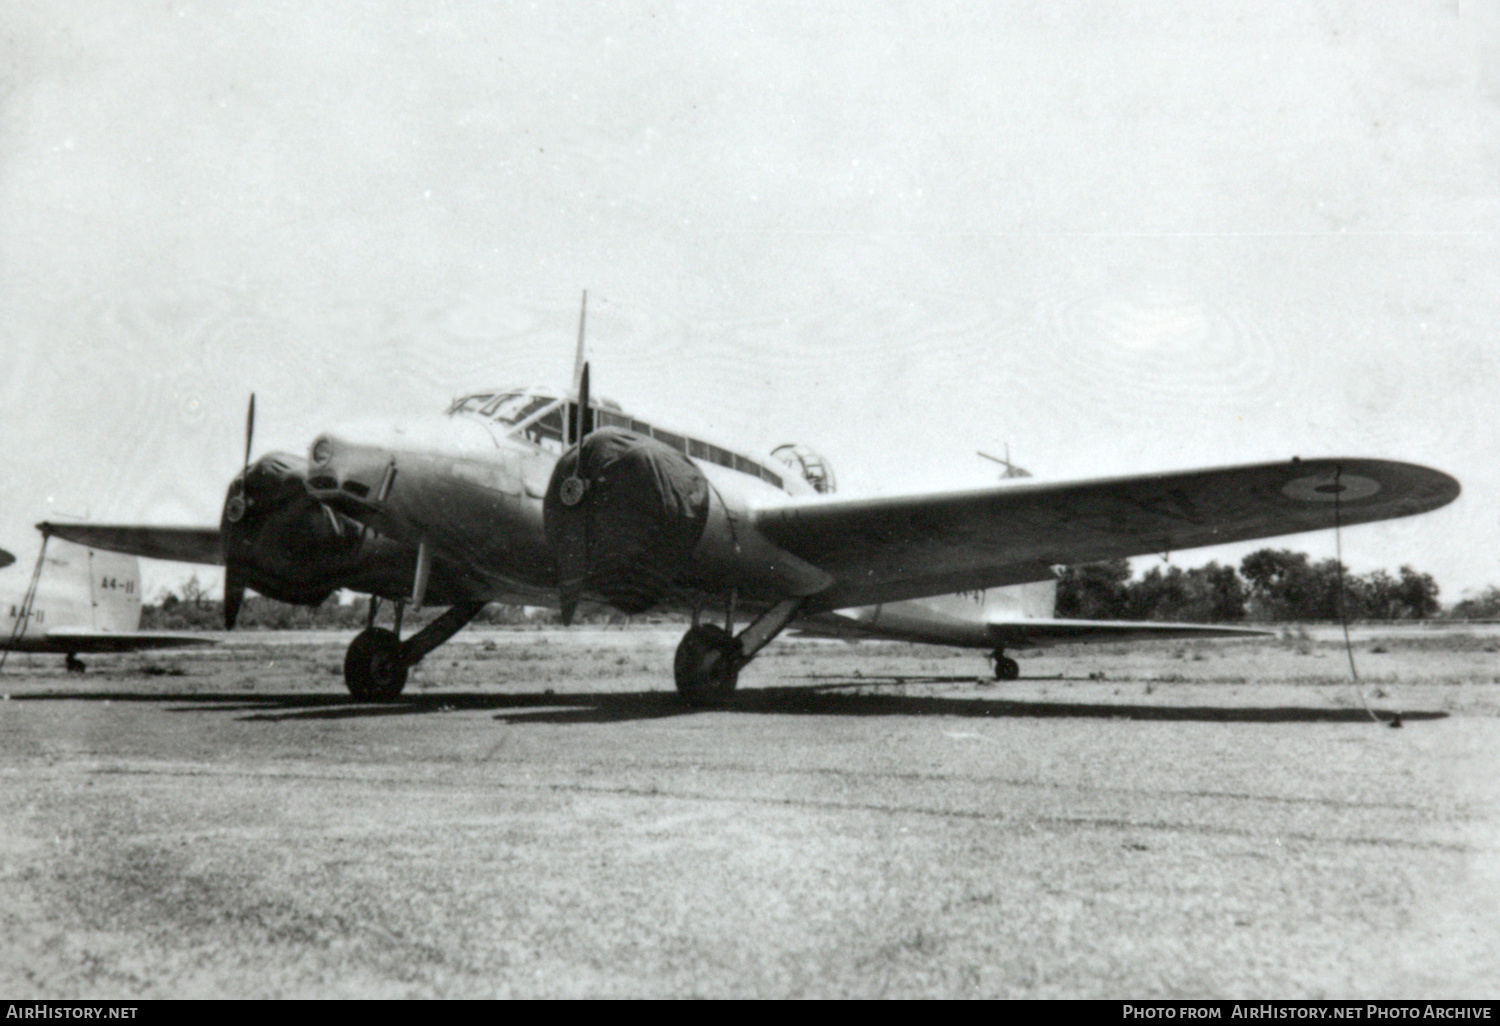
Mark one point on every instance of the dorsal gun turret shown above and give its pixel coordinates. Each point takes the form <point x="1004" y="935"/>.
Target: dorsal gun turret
<point x="815" y="470"/>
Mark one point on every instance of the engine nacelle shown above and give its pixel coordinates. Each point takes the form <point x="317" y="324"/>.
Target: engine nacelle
<point x="647" y="521"/>
<point x="636" y="506"/>
<point x="733" y="554"/>
<point x="287" y="545"/>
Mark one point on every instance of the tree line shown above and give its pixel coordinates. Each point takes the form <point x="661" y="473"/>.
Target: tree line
<point x="1270" y="585"/>
<point x="190" y="608"/>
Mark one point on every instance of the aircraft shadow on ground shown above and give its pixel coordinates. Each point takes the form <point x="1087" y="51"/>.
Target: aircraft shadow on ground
<point x="841" y="697"/>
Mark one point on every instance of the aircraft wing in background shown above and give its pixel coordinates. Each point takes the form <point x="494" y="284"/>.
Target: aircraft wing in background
<point x="177" y="544"/>
<point x="78" y="639"/>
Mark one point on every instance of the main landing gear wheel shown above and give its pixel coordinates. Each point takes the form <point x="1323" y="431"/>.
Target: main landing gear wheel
<point x="373" y="670"/>
<point x="1006" y="668"/>
<point x="707" y="665"/>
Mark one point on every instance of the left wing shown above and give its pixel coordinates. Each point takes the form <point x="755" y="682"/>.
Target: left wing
<point x="178" y="544"/>
<point x="79" y="639"/>
<point x="888" y="549"/>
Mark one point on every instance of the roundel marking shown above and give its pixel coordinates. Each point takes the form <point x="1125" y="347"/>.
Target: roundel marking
<point x="1325" y="488"/>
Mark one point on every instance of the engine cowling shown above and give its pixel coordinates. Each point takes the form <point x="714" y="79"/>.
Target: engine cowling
<point x="631" y="509"/>
<point x="279" y="540"/>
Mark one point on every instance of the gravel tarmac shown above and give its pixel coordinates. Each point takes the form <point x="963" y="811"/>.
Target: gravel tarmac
<point x="539" y="817"/>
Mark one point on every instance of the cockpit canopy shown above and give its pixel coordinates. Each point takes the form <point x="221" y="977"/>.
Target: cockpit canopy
<point x="537" y="415"/>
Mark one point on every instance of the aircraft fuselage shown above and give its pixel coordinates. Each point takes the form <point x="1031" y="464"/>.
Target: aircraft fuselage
<point x="480" y="495"/>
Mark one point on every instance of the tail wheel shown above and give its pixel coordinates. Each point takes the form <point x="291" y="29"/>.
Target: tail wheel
<point x="373" y="668"/>
<point x="707" y="665"/>
<point x="1006" y="668"/>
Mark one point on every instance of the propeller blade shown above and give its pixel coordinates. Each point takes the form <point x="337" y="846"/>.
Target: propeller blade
<point x="585" y="415"/>
<point x="234" y="593"/>
<point x="249" y="429"/>
<point x="583" y="314"/>
<point x="568" y="601"/>
<point x="573" y="545"/>
<point x="236" y="505"/>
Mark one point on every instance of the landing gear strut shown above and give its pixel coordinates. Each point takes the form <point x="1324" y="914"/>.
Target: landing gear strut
<point x="73" y="663"/>
<point x="1006" y="668"/>
<point x="376" y="664"/>
<point x="709" y="658"/>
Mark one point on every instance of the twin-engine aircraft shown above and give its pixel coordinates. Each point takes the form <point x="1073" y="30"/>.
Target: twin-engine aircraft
<point x="542" y="497"/>
<point x="80" y="600"/>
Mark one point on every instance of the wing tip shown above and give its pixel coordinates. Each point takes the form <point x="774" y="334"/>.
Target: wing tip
<point x="1411" y="488"/>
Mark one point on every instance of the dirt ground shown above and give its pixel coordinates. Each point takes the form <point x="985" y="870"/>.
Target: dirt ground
<point x="539" y="816"/>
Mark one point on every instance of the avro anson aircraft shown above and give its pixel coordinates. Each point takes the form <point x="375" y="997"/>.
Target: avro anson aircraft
<point x="80" y="601"/>
<point x="555" y="497"/>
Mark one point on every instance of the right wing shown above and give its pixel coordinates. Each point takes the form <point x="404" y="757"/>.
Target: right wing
<point x="178" y="544"/>
<point x="889" y="549"/>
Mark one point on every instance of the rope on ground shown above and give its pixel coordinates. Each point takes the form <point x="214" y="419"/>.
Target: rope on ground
<point x="1338" y="547"/>
<point x="23" y="615"/>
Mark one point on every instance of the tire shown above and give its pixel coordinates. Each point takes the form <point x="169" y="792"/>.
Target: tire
<point x="373" y="670"/>
<point x="707" y="666"/>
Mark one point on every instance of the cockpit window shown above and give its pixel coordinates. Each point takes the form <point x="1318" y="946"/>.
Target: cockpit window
<point x="539" y="418"/>
<point x="547" y="431"/>
<point x="512" y="409"/>
<point x="469" y="403"/>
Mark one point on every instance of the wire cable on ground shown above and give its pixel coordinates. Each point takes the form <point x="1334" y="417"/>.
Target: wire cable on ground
<point x="1338" y="563"/>
<point x="23" y="615"/>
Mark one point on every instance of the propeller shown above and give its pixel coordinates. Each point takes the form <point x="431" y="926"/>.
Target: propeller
<point x="235" y="508"/>
<point x="573" y="543"/>
<point x="623" y="511"/>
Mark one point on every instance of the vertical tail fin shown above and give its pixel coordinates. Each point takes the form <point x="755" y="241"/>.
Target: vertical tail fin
<point x="88" y="588"/>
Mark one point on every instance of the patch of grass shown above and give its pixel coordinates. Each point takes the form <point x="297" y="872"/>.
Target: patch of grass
<point x="1436" y="641"/>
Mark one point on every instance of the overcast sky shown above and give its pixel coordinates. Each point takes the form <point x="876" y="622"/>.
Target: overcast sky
<point x="1115" y="238"/>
